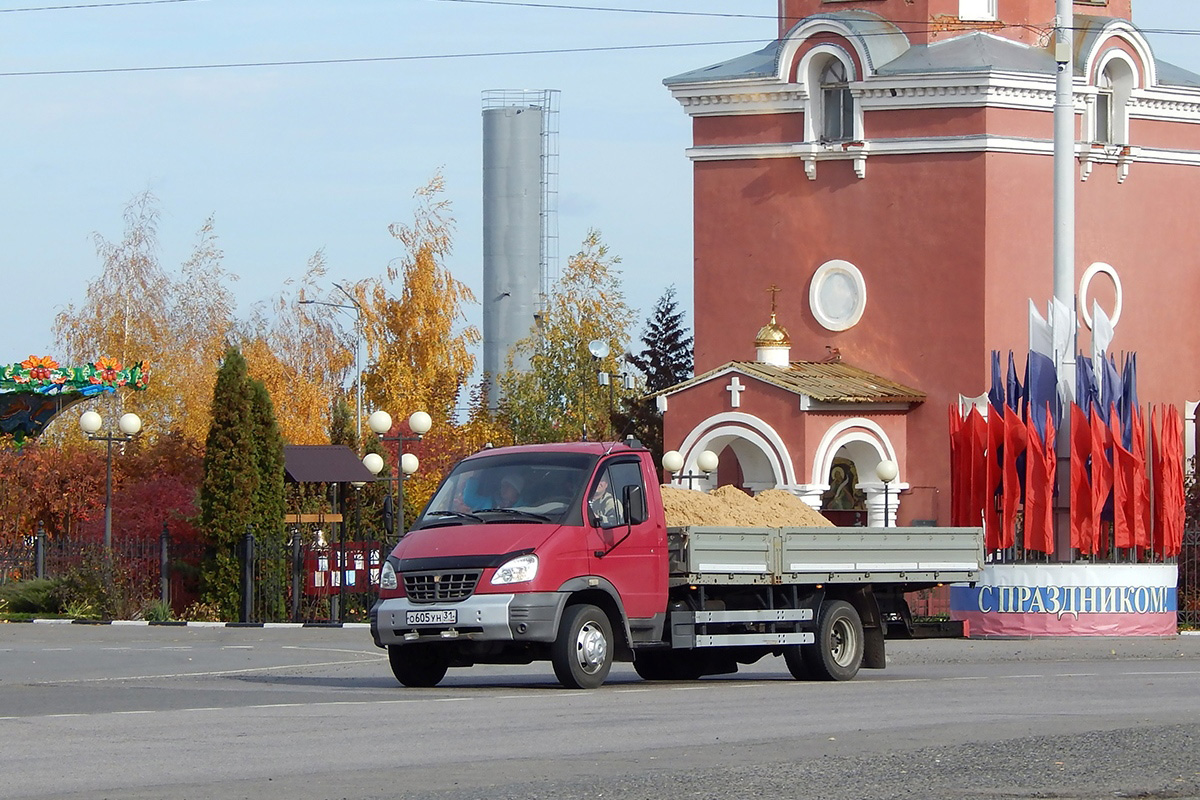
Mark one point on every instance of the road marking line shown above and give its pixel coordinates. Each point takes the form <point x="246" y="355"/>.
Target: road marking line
<point x="213" y="673"/>
<point x="372" y="652"/>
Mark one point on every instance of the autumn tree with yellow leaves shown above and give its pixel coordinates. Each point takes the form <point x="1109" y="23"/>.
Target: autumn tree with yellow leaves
<point x="137" y="311"/>
<point x="301" y="354"/>
<point x="558" y="399"/>
<point x="419" y="347"/>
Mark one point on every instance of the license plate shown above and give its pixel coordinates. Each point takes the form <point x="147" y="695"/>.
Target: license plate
<point x="439" y="617"/>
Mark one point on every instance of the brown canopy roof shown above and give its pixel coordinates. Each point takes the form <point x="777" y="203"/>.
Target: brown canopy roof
<point x="324" y="463"/>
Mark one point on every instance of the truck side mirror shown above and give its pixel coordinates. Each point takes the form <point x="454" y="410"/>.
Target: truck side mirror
<point x="634" y="505"/>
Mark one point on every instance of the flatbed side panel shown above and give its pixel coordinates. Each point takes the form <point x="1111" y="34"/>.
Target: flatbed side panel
<point x="713" y="555"/>
<point x="834" y="555"/>
<point x="744" y="555"/>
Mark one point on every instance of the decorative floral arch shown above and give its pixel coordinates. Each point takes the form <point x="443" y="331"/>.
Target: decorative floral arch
<point x="36" y="390"/>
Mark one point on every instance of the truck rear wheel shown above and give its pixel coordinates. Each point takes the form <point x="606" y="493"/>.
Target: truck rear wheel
<point x="419" y="665"/>
<point x="793" y="656"/>
<point x="583" y="652"/>
<point x="838" y="651"/>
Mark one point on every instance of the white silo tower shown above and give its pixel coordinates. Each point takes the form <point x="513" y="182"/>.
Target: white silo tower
<point x="520" y="223"/>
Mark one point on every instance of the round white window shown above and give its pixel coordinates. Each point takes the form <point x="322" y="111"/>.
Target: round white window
<point x="1085" y="284"/>
<point x="837" y="295"/>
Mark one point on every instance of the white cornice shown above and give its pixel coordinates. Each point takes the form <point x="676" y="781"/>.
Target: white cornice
<point x="744" y="97"/>
<point x="813" y="152"/>
<point x="874" y="147"/>
<point x="992" y="90"/>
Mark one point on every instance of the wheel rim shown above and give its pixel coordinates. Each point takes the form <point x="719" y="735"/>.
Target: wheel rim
<point x="843" y="641"/>
<point x="591" y="648"/>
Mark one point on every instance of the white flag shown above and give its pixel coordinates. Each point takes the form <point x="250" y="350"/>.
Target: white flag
<point x="1041" y="339"/>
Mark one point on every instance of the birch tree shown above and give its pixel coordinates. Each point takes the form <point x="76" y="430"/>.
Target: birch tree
<point x="559" y="399"/>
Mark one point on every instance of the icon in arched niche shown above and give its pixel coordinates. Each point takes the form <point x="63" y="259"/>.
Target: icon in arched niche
<point x="842" y="496"/>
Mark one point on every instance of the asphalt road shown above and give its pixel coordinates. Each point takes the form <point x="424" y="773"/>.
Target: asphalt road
<point x="150" y="712"/>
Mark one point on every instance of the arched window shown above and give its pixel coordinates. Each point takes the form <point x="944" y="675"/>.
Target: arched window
<point x="837" y="104"/>
<point x="1104" y="109"/>
<point x="1114" y="85"/>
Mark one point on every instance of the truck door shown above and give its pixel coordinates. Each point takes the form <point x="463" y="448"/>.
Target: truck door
<point x="629" y="556"/>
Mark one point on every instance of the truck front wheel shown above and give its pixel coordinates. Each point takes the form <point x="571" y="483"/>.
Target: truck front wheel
<point x="838" y="651"/>
<point x="417" y="666"/>
<point x="583" y="652"/>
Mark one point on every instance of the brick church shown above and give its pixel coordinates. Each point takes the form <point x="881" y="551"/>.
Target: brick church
<point x="873" y="206"/>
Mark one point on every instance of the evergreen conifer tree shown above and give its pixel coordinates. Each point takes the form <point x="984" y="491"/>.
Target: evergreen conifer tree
<point x="231" y="482"/>
<point x="270" y="535"/>
<point x="665" y="361"/>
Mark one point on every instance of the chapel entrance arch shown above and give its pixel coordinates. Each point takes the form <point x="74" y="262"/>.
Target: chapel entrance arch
<point x="845" y="464"/>
<point x="753" y="456"/>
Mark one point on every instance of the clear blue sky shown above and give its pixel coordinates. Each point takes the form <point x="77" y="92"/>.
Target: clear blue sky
<point x="292" y="159"/>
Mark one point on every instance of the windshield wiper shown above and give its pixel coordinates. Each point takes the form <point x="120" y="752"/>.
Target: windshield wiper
<point x="456" y="514"/>
<point x="515" y="512"/>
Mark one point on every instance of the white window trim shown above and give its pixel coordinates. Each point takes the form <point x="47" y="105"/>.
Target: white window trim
<point x="808" y="75"/>
<point x="1121" y="99"/>
<point x="824" y="272"/>
<point x="809" y="72"/>
<point x="986" y="14"/>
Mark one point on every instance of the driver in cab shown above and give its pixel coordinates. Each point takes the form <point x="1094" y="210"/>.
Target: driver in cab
<point x="604" y="504"/>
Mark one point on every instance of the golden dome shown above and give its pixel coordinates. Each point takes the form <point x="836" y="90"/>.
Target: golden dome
<point x="772" y="335"/>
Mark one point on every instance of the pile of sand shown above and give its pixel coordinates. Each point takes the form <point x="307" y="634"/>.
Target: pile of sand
<point x="730" y="506"/>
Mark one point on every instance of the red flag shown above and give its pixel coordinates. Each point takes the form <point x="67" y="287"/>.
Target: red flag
<point x="1039" y="490"/>
<point x="995" y="478"/>
<point x="956" y="465"/>
<point x="1050" y="470"/>
<point x="1014" y="445"/>
<point x="1173" y="453"/>
<point x="1156" y="466"/>
<point x="1122" y="462"/>
<point x="1081" y="490"/>
<point x="1141" y="482"/>
<point x="978" y="433"/>
<point x="1102" y="478"/>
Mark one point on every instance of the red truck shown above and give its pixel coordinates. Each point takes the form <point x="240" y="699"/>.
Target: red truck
<point x="562" y="552"/>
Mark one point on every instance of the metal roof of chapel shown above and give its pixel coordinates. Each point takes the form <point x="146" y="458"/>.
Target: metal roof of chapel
<point x="823" y="381"/>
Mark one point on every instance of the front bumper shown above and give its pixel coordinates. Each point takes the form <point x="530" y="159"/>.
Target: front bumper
<point x="526" y="617"/>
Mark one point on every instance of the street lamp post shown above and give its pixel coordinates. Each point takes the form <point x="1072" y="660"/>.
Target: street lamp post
<point x="886" y="471"/>
<point x="358" y="332"/>
<point x="599" y="350"/>
<point x="380" y="422"/>
<point x="128" y="426"/>
<point x="604" y="379"/>
<point x="707" y="461"/>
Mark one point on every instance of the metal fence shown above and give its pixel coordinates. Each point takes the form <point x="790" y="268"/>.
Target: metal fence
<point x="299" y="580"/>
<point x="1188" y="590"/>
<point x="305" y="580"/>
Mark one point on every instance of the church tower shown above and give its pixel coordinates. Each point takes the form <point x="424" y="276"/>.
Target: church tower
<point x="888" y="164"/>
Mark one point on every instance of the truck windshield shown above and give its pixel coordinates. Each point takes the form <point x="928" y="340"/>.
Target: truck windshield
<point x="513" y="487"/>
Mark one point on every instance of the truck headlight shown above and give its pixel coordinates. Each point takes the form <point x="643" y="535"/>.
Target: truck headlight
<point x="516" y="570"/>
<point x="387" y="577"/>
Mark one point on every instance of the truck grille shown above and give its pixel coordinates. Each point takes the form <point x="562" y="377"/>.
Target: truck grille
<point x="440" y="587"/>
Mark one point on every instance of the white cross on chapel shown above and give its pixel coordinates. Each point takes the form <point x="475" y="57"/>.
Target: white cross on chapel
<point x="735" y="390"/>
